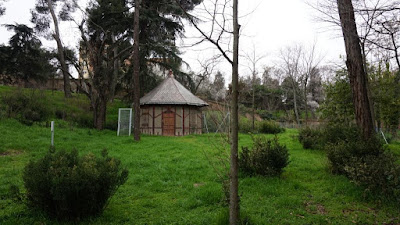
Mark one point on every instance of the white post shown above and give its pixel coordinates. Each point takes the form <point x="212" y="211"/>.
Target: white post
<point x="119" y="121"/>
<point x="52" y="133"/>
<point x="130" y="121"/>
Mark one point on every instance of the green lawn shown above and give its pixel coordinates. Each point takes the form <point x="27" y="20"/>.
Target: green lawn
<point x="173" y="181"/>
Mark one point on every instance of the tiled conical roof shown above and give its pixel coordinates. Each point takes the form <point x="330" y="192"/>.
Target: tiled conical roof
<point x="171" y="92"/>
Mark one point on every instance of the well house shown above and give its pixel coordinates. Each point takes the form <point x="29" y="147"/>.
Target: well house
<point x="171" y="110"/>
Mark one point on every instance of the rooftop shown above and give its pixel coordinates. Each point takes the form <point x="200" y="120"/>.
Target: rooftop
<point x="171" y="92"/>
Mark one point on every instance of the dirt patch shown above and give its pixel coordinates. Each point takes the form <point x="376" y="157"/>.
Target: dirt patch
<point x="196" y="185"/>
<point x="315" y="208"/>
<point x="11" y="152"/>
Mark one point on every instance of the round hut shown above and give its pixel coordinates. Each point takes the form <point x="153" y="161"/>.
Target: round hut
<point x="171" y="110"/>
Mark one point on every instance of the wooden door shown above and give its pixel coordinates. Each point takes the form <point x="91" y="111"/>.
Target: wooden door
<point x="169" y="123"/>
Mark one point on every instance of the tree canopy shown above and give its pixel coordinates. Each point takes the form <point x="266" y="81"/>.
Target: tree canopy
<point x="24" y="58"/>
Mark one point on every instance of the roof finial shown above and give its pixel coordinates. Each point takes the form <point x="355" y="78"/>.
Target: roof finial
<point x="170" y="74"/>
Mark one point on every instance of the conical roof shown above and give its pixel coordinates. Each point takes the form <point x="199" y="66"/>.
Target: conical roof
<point x="171" y="92"/>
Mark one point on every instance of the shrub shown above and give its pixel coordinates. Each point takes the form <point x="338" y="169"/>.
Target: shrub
<point x="335" y="133"/>
<point x="367" y="163"/>
<point x="26" y="108"/>
<point x="70" y="187"/>
<point x="270" y="127"/>
<point x="376" y="173"/>
<point x="266" y="158"/>
<point x="331" y="134"/>
<point x="340" y="153"/>
<point x="310" y="138"/>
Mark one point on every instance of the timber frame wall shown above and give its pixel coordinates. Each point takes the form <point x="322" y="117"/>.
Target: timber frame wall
<point x="188" y="119"/>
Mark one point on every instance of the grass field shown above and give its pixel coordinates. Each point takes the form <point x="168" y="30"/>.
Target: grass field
<point x="173" y="181"/>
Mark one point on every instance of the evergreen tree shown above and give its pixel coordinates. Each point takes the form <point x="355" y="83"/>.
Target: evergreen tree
<point x="107" y="39"/>
<point x="161" y="22"/>
<point x="106" y="43"/>
<point x="24" y="58"/>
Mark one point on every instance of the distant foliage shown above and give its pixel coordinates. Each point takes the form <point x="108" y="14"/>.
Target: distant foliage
<point x="265" y="126"/>
<point x="245" y="125"/>
<point x="267" y="157"/>
<point x="26" y="107"/>
<point x="338" y="105"/>
<point x="270" y="127"/>
<point x="384" y="90"/>
<point x="67" y="186"/>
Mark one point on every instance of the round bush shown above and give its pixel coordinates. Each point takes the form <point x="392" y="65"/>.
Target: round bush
<point x="310" y="138"/>
<point x="267" y="157"/>
<point x="67" y="186"/>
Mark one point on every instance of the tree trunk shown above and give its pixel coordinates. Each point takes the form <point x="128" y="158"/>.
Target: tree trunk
<point x="234" y="167"/>
<point x="136" y="71"/>
<point x="305" y="101"/>
<point x="354" y="63"/>
<point x="253" y="101"/>
<point x="116" y="67"/>
<point x="99" y="113"/>
<point x="296" y="112"/>
<point x="60" y="50"/>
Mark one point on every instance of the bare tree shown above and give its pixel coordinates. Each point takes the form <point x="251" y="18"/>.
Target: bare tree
<point x="234" y="215"/>
<point x="271" y="80"/>
<point x="207" y="68"/>
<point x="383" y="40"/>
<point x="215" y="36"/>
<point x="40" y="17"/>
<point x="310" y="62"/>
<point x="291" y="57"/>
<point x="253" y="60"/>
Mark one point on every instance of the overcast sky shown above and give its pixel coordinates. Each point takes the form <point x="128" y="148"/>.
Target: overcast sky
<point x="267" y="25"/>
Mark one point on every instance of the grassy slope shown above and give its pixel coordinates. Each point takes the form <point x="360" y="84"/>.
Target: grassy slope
<point x="163" y="171"/>
<point x="75" y="108"/>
